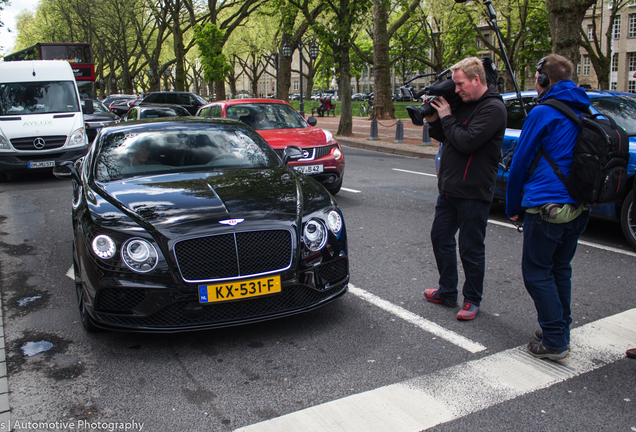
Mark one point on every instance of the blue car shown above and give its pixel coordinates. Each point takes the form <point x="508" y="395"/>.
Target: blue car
<point x="620" y="106"/>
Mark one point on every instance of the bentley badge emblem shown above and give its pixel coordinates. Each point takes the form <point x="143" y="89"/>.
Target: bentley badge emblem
<point x="231" y="222"/>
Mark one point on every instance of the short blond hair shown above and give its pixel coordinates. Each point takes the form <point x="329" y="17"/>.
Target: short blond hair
<point x="472" y="67"/>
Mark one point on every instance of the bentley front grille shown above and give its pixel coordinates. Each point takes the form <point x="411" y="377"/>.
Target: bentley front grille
<point x="234" y="255"/>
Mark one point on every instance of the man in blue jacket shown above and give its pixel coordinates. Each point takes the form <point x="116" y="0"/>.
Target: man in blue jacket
<point x="548" y="246"/>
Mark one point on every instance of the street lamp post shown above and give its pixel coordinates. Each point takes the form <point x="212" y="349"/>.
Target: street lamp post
<point x="313" y="53"/>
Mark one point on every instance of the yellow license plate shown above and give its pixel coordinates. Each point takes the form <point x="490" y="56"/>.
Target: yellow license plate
<point x="239" y="289"/>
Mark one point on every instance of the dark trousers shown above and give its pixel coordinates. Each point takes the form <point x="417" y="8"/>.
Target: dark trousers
<point x="470" y="217"/>
<point x="548" y="249"/>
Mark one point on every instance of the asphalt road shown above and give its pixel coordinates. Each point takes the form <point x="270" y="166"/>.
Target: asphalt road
<point x="381" y="335"/>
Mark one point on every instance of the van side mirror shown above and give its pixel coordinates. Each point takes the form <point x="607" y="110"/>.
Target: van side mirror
<point x="88" y="107"/>
<point x="312" y="121"/>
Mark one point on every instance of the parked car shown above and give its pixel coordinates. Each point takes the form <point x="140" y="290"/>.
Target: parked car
<point x="189" y="101"/>
<point x="155" y="111"/>
<point x="121" y="106"/>
<point x="357" y="97"/>
<point x="192" y="223"/>
<point x="620" y="106"/>
<point x="108" y="100"/>
<point x="100" y="118"/>
<point x="281" y="126"/>
<point x="399" y="97"/>
<point x="368" y="96"/>
<point x="294" y="97"/>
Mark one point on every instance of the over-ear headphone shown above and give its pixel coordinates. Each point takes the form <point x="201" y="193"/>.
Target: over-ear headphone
<point x="543" y="79"/>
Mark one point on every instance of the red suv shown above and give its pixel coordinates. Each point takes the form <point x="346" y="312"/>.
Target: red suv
<point x="281" y="125"/>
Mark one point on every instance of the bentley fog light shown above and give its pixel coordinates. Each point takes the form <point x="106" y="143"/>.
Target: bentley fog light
<point x="334" y="221"/>
<point x="139" y="255"/>
<point x="314" y="235"/>
<point x="104" y="247"/>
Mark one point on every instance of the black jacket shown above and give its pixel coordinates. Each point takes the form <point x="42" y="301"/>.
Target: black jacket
<point x="472" y="136"/>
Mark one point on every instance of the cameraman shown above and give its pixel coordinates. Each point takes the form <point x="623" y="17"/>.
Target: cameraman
<point x="472" y="135"/>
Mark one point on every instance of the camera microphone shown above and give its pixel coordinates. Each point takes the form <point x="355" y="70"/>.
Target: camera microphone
<point x="420" y="93"/>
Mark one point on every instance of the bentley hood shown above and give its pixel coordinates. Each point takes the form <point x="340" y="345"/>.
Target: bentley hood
<point x="178" y="203"/>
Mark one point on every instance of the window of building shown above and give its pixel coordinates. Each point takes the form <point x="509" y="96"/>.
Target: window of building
<point x="590" y="31"/>
<point x="631" y="86"/>
<point x="613" y="86"/>
<point x="296" y="86"/>
<point x="615" y="62"/>
<point x="632" y="25"/>
<point x="631" y="61"/>
<point x="587" y="65"/>
<point x="478" y="42"/>
<point x="616" y="28"/>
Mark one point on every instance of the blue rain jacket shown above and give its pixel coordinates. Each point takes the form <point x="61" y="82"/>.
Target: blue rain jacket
<point x="545" y="128"/>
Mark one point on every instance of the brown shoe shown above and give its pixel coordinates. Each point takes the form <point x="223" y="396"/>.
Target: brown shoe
<point x="631" y="353"/>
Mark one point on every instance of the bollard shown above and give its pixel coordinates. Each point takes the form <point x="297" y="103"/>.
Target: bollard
<point x="426" y="138"/>
<point x="399" y="132"/>
<point x="374" y="131"/>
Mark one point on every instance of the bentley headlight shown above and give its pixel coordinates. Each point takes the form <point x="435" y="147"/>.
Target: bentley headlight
<point x="104" y="247"/>
<point x="78" y="138"/>
<point x="314" y="235"/>
<point x="139" y="255"/>
<point x="334" y="221"/>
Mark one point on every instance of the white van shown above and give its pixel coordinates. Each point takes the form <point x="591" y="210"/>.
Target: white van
<point x="41" y="121"/>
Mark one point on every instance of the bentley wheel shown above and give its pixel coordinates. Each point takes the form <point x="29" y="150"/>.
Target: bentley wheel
<point x="87" y="321"/>
<point x="627" y="219"/>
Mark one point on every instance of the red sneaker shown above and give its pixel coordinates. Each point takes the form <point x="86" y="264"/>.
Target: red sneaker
<point x="433" y="295"/>
<point x="468" y="312"/>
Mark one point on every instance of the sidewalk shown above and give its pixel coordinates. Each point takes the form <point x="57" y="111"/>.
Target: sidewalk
<point x="386" y="132"/>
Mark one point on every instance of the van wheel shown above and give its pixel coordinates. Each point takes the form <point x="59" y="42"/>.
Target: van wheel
<point x="629" y="227"/>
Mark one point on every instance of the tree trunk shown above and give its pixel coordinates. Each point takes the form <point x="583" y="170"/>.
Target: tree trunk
<point x="383" y="108"/>
<point x="219" y="90"/>
<point x="179" y="49"/>
<point x="345" y="127"/>
<point x="565" y="18"/>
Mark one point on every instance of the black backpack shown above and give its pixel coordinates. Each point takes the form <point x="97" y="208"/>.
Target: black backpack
<point x="599" y="167"/>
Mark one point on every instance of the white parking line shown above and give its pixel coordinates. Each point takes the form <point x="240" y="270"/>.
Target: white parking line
<point x="350" y="190"/>
<point x="414" y="172"/>
<point x="417" y="320"/>
<point x="70" y="274"/>
<point x="582" y="242"/>
<point x="446" y="395"/>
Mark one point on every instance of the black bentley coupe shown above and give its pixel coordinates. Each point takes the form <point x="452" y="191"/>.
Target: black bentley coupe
<point x="190" y="223"/>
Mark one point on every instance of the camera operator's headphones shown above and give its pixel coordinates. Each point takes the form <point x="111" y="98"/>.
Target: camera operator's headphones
<point x="543" y="79"/>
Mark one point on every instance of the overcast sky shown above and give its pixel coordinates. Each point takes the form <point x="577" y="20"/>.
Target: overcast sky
<point x="7" y="16"/>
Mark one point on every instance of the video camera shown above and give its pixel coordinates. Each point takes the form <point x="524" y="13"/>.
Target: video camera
<point x="442" y="86"/>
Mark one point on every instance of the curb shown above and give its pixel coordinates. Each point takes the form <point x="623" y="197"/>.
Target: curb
<point x="384" y="147"/>
<point x="5" y="412"/>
